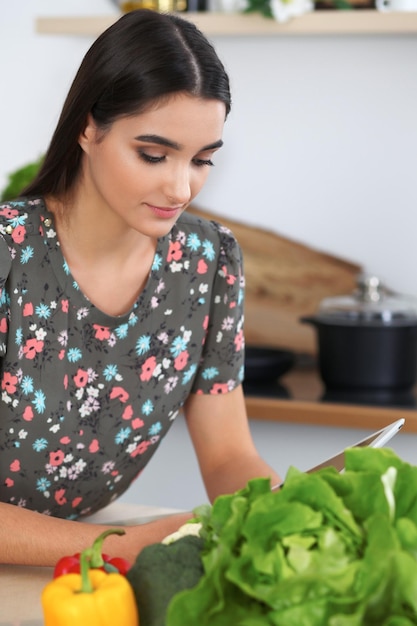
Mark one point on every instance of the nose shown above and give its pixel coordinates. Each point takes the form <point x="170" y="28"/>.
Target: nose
<point x="178" y="185"/>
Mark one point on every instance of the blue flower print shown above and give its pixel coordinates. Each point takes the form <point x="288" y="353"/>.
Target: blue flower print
<point x="122" y="330"/>
<point x="66" y="268"/>
<point x="188" y="374"/>
<point x="147" y="407"/>
<point x="43" y="311"/>
<point x="209" y="373"/>
<point x="122" y="435"/>
<point x="133" y="320"/>
<point x="208" y="250"/>
<point x="19" y="220"/>
<point x="193" y="241"/>
<point x="27" y="385"/>
<point x="19" y="336"/>
<point x="26" y="255"/>
<point x="157" y="262"/>
<point x="110" y="372"/>
<point x="155" y="429"/>
<point x="40" y="444"/>
<point x="179" y="344"/>
<point x="74" y="354"/>
<point x="42" y="484"/>
<point x="143" y="344"/>
<point x="39" y="401"/>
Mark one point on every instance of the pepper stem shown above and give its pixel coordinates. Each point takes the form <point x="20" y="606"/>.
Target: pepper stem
<point x="96" y="557"/>
<point x="85" y="563"/>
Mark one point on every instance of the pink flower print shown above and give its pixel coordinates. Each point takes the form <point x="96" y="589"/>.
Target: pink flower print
<point x="60" y="496"/>
<point x="3" y="325"/>
<point x="32" y="347"/>
<point x="120" y="393"/>
<point x="66" y="381"/>
<point x="81" y="378"/>
<point x="28" y="309"/>
<point x="15" y="465"/>
<point x="9" y="382"/>
<point x="128" y="412"/>
<point x="28" y="414"/>
<point x="64" y="306"/>
<point x="9" y="212"/>
<point x="206" y="322"/>
<point x="219" y="388"/>
<point x="174" y="252"/>
<point x="18" y="234"/>
<point x="202" y="267"/>
<point x="102" y="332"/>
<point x="137" y="423"/>
<point x="76" y="502"/>
<point x="148" y="369"/>
<point x="61" y="354"/>
<point x="140" y="448"/>
<point x="94" y="446"/>
<point x="9" y="482"/>
<point x="181" y="360"/>
<point x="239" y="341"/>
<point x="56" y="458"/>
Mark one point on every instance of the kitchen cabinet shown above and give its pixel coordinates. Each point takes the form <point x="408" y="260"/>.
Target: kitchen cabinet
<point x="357" y="22"/>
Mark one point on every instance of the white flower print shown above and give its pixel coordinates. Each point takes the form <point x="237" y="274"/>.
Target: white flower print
<point x="40" y="334"/>
<point x="163" y="338"/>
<point x="63" y="338"/>
<point x="227" y="323"/>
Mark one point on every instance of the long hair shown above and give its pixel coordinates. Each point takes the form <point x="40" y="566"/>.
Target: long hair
<point x="142" y="58"/>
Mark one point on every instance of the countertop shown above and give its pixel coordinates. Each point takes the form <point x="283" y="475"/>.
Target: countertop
<point x="21" y="586"/>
<point x="300" y="397"/>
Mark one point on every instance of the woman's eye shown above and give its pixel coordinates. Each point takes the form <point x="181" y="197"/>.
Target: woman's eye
<point x="148" y="158"/>
<point x="202" y="162"/>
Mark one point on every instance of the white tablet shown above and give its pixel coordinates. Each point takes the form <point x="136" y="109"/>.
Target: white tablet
<point x="376" y="440"/>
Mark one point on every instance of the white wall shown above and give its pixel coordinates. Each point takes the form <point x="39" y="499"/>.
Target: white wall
<point x="321" y="145"/>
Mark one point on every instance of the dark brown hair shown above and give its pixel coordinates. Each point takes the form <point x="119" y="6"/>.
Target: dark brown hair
<point x="142" y="58"/>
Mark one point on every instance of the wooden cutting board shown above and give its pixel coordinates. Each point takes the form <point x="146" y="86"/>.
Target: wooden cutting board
<point x="284" y="281"/>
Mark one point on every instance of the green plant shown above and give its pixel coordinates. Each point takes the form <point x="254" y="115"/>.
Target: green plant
<point x="19" y="179"/>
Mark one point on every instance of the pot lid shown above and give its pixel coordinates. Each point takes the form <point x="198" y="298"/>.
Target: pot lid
<point x="370" y="302"/>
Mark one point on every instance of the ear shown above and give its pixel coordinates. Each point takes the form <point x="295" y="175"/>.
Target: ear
<point x="89" y="134"/>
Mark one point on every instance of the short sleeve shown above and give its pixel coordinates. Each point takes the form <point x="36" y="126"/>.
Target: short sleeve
<point x="222" y="365"/>
<point x="5" y="265"/>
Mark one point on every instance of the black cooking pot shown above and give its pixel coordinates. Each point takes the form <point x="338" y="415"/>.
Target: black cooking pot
<point x="367" y="340"/>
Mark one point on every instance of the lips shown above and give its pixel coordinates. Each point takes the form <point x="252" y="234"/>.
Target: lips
<point x="165" y="213"/>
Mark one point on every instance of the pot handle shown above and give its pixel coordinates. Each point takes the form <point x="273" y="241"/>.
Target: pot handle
<point x="309" y="319"/>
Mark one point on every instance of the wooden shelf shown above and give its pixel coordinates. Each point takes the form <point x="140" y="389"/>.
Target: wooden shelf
<point x="359" y="22"/>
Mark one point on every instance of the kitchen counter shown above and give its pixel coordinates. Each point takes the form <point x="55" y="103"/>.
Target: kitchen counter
<point x="299" y="397"/>
<point x="21" y="586"/>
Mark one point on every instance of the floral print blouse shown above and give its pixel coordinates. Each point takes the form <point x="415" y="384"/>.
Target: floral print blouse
<point x="86" y="398"/>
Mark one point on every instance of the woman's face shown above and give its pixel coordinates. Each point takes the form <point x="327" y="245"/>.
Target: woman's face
<point x="147" y="168"/>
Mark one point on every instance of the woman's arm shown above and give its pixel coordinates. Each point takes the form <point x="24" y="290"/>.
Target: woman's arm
<point x="219" y="429"/>
<point x="29" y="538"/>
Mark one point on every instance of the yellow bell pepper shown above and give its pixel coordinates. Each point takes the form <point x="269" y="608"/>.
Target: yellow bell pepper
<point x="91" y="598"/>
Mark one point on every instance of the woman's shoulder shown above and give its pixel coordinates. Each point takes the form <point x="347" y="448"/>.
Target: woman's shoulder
<point x="21" y="217"/>
<point x="220" y="235"/>
<point x="19" y="210"/>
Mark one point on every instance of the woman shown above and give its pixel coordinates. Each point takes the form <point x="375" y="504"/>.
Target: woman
<point x="118" y="309"/>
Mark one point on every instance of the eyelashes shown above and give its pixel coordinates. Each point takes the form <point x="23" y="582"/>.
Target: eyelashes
<point x="153" y="160"/>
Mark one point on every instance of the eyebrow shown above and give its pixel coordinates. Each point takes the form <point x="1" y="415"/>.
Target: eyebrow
<point x="162" y="141"/>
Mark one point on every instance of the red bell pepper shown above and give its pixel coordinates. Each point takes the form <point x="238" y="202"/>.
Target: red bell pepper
<point x="72" y="564"/>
